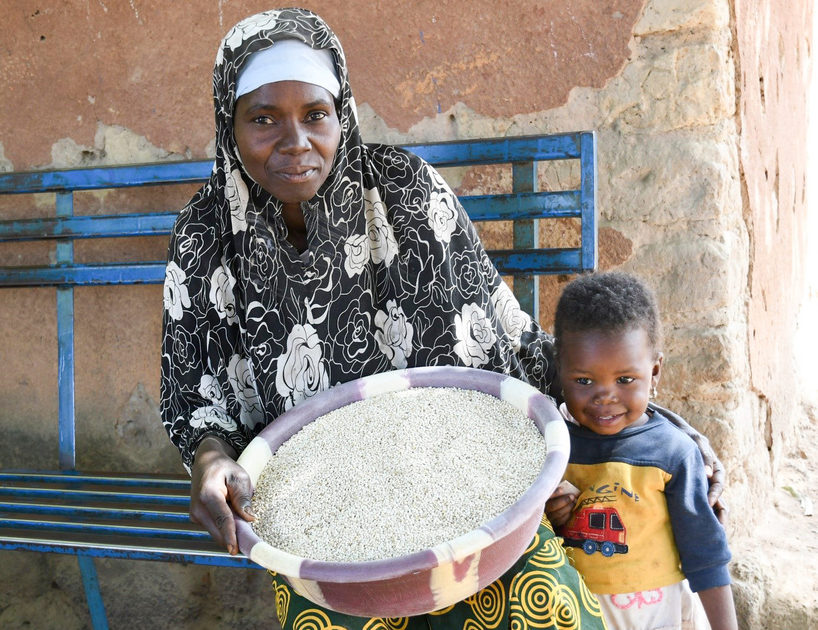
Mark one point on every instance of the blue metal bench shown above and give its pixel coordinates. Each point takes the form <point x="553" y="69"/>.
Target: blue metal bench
<point x="114" y="515"/>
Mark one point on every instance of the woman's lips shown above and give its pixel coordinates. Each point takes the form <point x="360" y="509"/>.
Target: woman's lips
<point x="296" y="175"/>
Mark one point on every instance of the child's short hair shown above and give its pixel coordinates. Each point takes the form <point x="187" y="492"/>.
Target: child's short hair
<point x="608" y="302"/>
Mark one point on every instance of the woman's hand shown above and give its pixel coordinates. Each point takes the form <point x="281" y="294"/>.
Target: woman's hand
<point x="559" y="506"/>
<point x="712" y="465"/>
<point x="217" y="483"/>
<point x="715" y="475"/>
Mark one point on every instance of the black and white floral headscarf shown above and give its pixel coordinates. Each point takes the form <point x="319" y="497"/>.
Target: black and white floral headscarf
<point x="394" y="275"/>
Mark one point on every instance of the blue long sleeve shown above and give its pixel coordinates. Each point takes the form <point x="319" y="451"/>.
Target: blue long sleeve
<point x="700" y="538"/>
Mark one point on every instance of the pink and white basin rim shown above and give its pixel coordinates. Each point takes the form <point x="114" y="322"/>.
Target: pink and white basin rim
<point x="434" y="578"/>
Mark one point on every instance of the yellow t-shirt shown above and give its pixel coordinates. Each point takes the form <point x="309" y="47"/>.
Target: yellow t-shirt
<point x="623" y="505"/>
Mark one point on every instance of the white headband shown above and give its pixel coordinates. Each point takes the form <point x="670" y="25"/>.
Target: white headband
<point x="289" y="60"/>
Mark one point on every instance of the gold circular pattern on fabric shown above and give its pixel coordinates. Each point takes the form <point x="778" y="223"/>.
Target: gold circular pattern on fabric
<point x="535" y="594"/>
<point x="567" y="611"/>
<point x="551" y="556"/>
<point x="282" y="594"/>
<point x="442" y="611"/>
<point x="540" y="601"/>
<point x="589" y="600"/>
<point x="533" y="544"/>
<point x="546" y="523"/>
<point x="314" y="619"/>
<point x="389" y="623"/>
<point x="488" y="605"/>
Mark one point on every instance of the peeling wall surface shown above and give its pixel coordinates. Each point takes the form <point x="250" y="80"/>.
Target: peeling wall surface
<point x="700" y="115"/>
<point x="146" y="65"/>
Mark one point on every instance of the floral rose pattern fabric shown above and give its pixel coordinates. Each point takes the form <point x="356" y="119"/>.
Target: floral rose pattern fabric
<point x="394" y="275"/>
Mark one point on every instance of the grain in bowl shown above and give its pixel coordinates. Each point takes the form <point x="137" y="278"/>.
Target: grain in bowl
<point x="395" y="474"/>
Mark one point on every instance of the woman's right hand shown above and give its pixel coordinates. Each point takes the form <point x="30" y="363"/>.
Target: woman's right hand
<point x="217" y="483"/>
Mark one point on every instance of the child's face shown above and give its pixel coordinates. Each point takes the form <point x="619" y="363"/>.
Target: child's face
<point x="606" y="379"/>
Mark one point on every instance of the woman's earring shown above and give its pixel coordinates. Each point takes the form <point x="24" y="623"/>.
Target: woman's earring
<point x="653" y="391"/>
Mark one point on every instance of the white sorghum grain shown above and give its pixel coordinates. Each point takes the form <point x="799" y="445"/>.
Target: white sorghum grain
<point x="395" y="474"/>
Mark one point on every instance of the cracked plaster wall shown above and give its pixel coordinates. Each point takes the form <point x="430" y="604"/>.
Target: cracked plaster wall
<point x="698" y="107"/>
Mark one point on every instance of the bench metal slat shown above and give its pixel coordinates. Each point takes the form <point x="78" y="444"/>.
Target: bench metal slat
<point x="443" y="154"/>
<point x="556" y="260"/>
<point x="81" y="511"/>
<point x="532" y="261"/>
<point x="102" y="529"/>
<point x="536" y="205"/>
<point x="108" y="226"/>
<point x="84" y="275"/>
<point x="548" y="204"/>
<point x="524" y="261"/>
<point x="589" y="201"/>
<point x="94" y="495"/>
<point x="97" y="178"/>
<point x="133" y="552"/>
<point x="182" y="483"/>
<point x="66" y="429"/>
<point x="500" y="150"/>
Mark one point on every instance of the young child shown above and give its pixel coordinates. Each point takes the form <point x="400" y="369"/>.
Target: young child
<point x="633" y="509"/>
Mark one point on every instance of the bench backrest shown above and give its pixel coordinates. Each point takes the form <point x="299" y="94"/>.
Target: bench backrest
<point x="525" y="205"/>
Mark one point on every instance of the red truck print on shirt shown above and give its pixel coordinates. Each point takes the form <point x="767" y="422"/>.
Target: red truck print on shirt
<point x="596" y="528"/>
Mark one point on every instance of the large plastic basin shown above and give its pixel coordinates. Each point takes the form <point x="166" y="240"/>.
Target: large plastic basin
<point x="434" y="578"/>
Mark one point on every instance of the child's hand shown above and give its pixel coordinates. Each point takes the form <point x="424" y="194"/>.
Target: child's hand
<point x="559" y="506"/>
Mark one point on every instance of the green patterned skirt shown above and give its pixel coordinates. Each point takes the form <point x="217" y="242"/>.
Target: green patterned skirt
<point x="542" y="590"/>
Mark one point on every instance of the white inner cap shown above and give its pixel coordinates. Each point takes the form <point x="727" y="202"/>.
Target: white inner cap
<point x="289" y="60"/>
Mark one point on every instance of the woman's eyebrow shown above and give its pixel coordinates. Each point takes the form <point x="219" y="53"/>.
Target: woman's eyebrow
<point x="261" y="105"/>
<point x="320" y="102"/>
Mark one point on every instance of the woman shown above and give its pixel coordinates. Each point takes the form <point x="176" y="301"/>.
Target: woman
<point x="311" y="259"/>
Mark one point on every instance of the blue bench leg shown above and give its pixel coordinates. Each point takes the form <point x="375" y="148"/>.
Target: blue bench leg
<point x="95" y="606"/>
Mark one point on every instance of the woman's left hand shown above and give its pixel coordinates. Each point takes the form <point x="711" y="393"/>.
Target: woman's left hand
<point x="715" y="477"/>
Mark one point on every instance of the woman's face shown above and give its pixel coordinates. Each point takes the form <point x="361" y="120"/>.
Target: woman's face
<point x="287" y="133"/>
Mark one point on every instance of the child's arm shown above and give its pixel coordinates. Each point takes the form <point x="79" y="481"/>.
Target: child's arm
<point x="718" y="604"/>
<point x="559" y="506"/>
<point x="700" y="539"/>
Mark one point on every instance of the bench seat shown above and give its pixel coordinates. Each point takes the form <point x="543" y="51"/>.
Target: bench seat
<point x="106" y="515"/>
